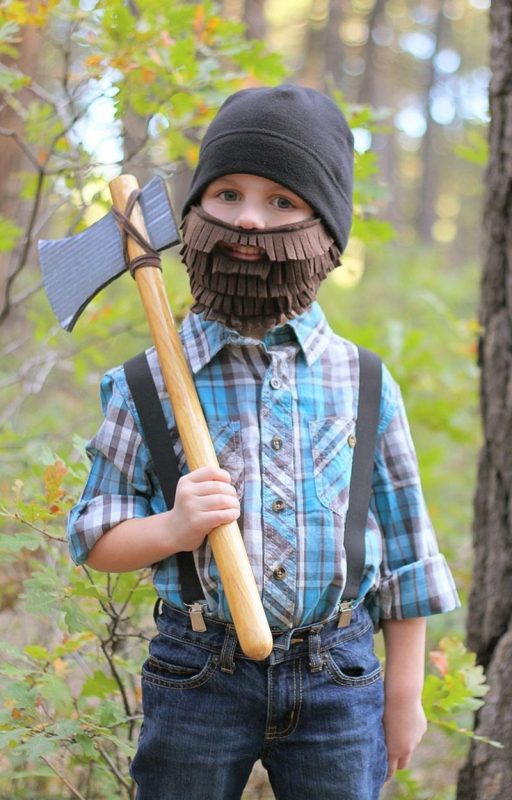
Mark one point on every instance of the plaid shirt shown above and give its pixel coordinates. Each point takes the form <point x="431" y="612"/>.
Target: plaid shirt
<point x="281" y="413"/>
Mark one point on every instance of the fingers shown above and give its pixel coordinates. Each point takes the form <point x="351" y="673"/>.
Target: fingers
<point x="207" y="481"/>
<point x="216" y="501"/>
<point x="208" y="474"/>
<point x="395" y="763"/>
<point x="207" y="497"/>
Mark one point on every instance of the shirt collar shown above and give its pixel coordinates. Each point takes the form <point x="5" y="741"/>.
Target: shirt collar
<point x="203" y="339"/>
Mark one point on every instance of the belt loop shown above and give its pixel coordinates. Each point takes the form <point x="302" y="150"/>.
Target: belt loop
<point x="156" y="608"/>
<point x="316" y="662"/>
<point x="227" y="663"/>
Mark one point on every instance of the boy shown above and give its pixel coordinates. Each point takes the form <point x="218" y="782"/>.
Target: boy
<point x="266" y="218"/>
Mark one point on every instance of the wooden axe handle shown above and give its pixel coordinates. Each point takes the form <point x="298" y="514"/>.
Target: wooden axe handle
<point x="226" y="541"/>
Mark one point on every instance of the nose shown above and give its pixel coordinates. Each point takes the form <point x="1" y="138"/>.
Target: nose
<point x="250" y="217"/>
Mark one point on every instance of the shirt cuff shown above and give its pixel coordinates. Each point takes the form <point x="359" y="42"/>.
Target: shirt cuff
<point x="90" y="519"/>
<point x="419" y="589"/>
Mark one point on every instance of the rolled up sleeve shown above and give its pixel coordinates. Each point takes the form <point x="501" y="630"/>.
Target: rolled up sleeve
<point x="415" y="579"/>
<point x="118" y="487"/>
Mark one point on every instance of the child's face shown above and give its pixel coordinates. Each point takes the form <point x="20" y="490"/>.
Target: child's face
<point x="255" y="203"/>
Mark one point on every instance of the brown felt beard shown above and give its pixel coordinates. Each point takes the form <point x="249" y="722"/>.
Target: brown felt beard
<point x="248" y="295"/>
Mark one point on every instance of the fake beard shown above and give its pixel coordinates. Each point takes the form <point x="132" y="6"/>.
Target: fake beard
<point x="254" y="294"/>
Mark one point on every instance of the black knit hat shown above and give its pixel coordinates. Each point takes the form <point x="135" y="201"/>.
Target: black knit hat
<point x="290" y="134"/>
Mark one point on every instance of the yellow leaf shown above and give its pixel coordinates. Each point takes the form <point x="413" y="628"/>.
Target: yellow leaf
<point x="93" y="61"/>
<point x="147" y="75"/>
<point x="192" y="155"/>
<point x="60" y="666"/>
<point x="18" y="12"/>
<point x="199" y="19"/>
<point x="53" y="477"/>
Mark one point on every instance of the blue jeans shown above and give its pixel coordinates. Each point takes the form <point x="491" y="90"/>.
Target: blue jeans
<point x="312" y="712"/>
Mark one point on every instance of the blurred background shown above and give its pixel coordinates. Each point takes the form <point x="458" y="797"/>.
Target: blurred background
<point x="89" y="89"/>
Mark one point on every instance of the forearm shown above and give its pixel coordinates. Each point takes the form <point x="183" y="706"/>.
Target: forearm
<point x="134" y="544"/>
<point x="404" y="718"/>
<point x="404" y="641"/>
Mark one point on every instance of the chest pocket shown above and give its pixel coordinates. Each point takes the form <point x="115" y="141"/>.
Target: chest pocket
<point x="332" y="443"/>
<point x="227" y="441"/>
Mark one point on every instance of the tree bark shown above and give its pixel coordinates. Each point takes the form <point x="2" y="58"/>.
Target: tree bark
<point x="487" y="774"/>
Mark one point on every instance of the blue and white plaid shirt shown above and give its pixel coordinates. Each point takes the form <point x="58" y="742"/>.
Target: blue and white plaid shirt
<point x="281" y="413"/>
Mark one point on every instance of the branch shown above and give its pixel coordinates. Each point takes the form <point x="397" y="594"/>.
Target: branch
<point x="118" y="680"/>
<point x="18" y="518"/>
<point x="26" y="242"/>
<point x="31" y="387"/>
<point x="20" y="298"/>
<point x="23" y="146"/>
<point x="113" y="767"/>
<point x="74" y="791"/>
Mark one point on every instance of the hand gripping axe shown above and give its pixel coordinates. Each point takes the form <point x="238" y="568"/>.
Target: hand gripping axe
<point x="74" y="270"/>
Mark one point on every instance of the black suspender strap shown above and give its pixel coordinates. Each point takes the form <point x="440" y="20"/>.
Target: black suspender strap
<point x="143" y="390"/>
<point x="368" y="411"/>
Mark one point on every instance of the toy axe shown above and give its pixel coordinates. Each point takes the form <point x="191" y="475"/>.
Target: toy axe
<point x="74" y="270"/>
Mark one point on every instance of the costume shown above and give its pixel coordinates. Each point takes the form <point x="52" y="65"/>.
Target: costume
<point x="301" y="378"/>
<point x="281" y="411"/>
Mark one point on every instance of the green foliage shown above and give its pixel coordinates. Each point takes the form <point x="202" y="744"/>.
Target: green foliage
<point x="459" y="688"/>
<point x="368" y="193"/>
<point x="9" y="234"/>
<point x="70" y="699"/>
<point x="407" y="787"/>
<point x="475" y="150"/>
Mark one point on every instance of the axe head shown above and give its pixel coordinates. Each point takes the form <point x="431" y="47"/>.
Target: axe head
<point x="77" y="267"/>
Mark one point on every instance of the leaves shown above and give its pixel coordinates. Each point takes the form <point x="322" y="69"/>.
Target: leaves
<point x="460" y="687"/>
<point x="9" y="234"/>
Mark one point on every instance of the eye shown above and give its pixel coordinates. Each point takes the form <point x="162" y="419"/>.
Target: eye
<point x="229" y="195"/>
<point x="282" y="202"/>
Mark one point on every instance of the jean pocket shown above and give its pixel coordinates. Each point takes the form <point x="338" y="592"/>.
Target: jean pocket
<point x="332" y="443"/>
<point x="353" y="663"/>
<point x="227" y="441"/>
<point x="177" y="665"/>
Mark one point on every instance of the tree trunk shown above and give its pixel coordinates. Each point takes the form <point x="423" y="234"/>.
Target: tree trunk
<point x="487" y="774"/>
<point x="254" y="18"/>
<point x="12" y="159"/>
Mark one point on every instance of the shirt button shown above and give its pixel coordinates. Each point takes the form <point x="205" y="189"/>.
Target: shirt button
<point x="276" y="443"/>
<point x="275" y="383"/>
<point x="279" y="573"/>
<point x="278" y="505"/>
<point x="351" y="440"/>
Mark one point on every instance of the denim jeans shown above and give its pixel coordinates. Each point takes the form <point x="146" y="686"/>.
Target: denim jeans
<point x="312" y="712"/>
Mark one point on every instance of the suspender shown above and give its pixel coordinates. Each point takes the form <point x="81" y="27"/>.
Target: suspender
<point x="144" y="393"/>
<point x="368" y="411"/>
<point x="156" y="434"/>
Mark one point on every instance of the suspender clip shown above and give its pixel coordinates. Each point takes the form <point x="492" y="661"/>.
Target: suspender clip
<point x="196" y="617"/>
<point x="345" y="617"/>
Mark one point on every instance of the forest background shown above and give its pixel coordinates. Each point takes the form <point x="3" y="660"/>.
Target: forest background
<point x="89" y="86"/>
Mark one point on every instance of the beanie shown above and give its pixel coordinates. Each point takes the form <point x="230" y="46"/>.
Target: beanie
<point x="290" y="134"/>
